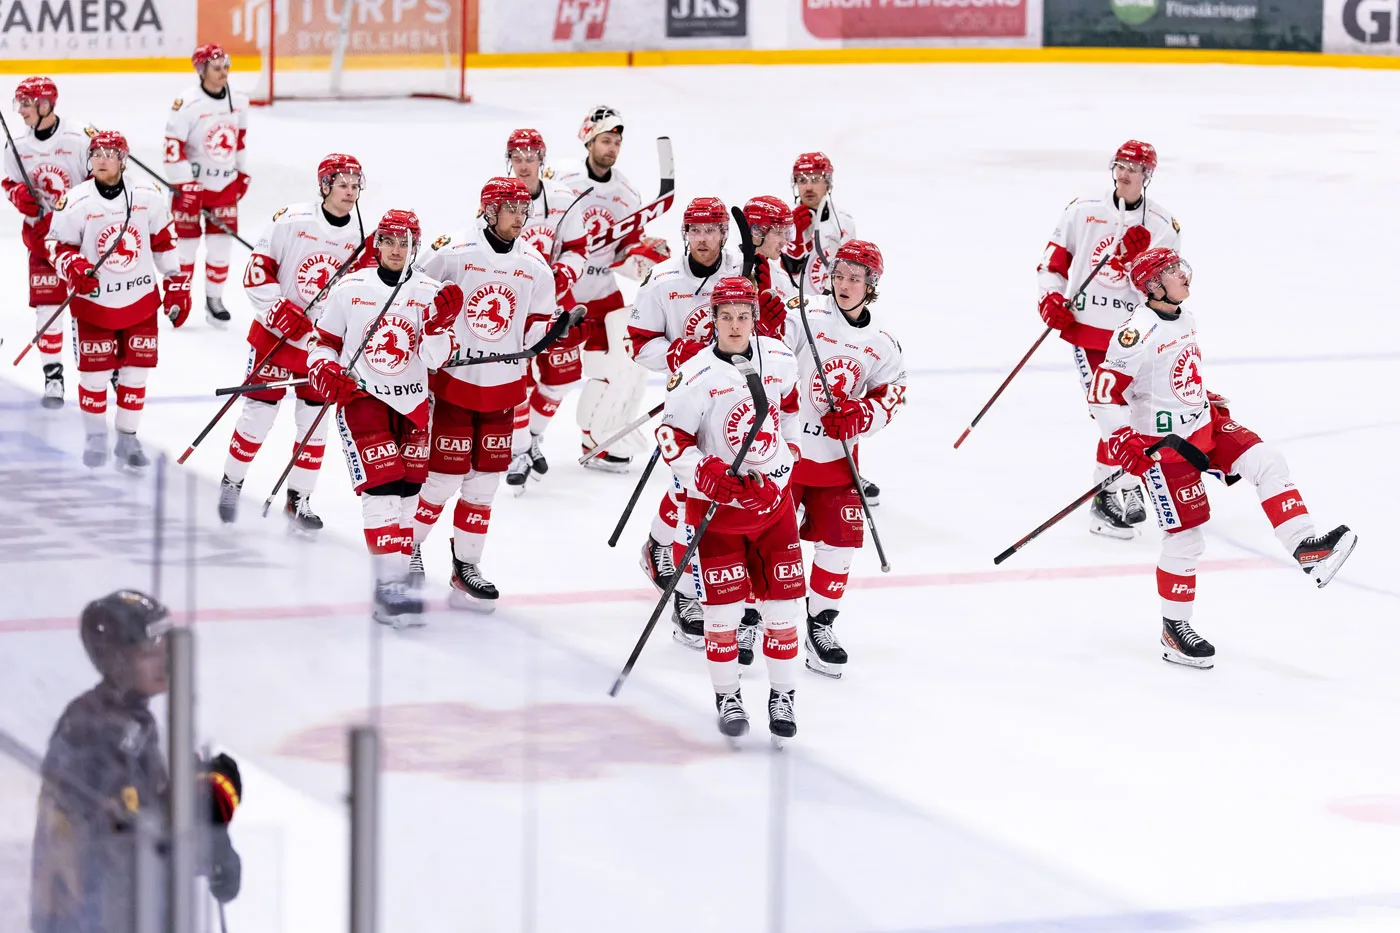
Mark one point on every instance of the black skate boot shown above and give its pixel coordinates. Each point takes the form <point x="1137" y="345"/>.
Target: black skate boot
<point x="417" y="576"/>
<point x="129" y="455"/>
<point x="95" y="450"/>
<point x="606" y="462"/>
<point x="519" y="470"/>
<point x="216" y="312"/>
<point x="394" y="605"/>
<point x="229" y="491"/>
<point x="1106" y="517"/>
<point x="537" y="461"/>
<point x="689" y="621"/>
<point x="825" y="655"/>
<point x="1321" y="556"/>
<point x="782" y="715"/>
<point x="658" y="563"/>
<point x="53" y="385"/>
<point x="470" y="590"/>
<point x="1134" y="509"/>
<point x="1183" y="646"/>
<point x="872" y="492"/>
<point x="748" y="635"/>
<point x="298" y="511"/>
<point x="733" y="721"/>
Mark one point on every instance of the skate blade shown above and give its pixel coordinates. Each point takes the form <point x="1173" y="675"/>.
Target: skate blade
<point x="693" y="642"/>
<point x="94" y="462"/>
<point x="602" y="466"/>
<point x="1325" y="571"/>
<point x="1172" y="656"/>
<point x="306" y="534"/>
<point x="742" y="727"/>
<point x="460" y="600"/>
<point x="215" y="322"/>
<point x="780" y="741"/>
<point x="1104" y="529"/>
<point x="817" y="666"/>
<point x="52" y="403"/>
<point x="132" y="470"/>
<point x="417" y="581"/>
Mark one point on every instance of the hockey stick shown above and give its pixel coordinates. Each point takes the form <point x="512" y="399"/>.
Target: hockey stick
<point x="746" y="247"/>
<point x="561" y="326"/>
<point x="760" y="415"/>
<point x="349" y="367"/>
<point x="644" y="215"/>
<point x="33" y="192"/>
<point x="1107" y="254"/>
<point x="71" y="292"/>
<point x="831" y="406"/>
<point x="636" y="494"/>
<point x="1191" y="453"/>
<point x="281" y="341"/>
<point x="556" y="247"/>
<point x="633" y="425"/>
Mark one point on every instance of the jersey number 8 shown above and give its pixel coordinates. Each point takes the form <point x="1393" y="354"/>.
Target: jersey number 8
<point x="666" y="440"/>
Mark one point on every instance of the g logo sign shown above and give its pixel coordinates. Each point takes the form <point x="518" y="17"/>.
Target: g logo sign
<point x="1373" y="26"/>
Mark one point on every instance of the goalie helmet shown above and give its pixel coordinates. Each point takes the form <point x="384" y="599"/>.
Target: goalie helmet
<point x="734" y="290"/>
<point x="862" y="253"/>
<point x="601" y="119"/>
<point x="527" y="139"/>
<point x="766" y="211"/>
<point x="109" y="141"/>
<point x="209" y="52"/>
<point x="1140" y="152"/>
<point x="500" y="191"/>
<point x="399" y="223"/>
<point x="112" y="626"/>
<point x="813" y="163"/>
<point x="1147" y="270"/>
<point x="37" y="88"/>
<point x="337" y="163"/>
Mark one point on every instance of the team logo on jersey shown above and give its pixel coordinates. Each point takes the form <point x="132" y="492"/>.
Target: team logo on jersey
<point x="674" y="381"/>
<point x="441" y="241"/>
<point x="53" y="181"/>
<point x="1112" y="272"/>
<point x="766" y="443"/>
<point x="842" y="374"/>
<point x="393" y="345"/>
<point x="699" y="325"/>
<point x="597" y="220"/>
<point x="1128" y="337"/>
<point x="126" y="251"/>
<point x="540" y="236"/>
<point x="489" y="311"/>
<point x="1187" y="384"/>
<point x="221" y="141"/>
<point x="314" y="273"/>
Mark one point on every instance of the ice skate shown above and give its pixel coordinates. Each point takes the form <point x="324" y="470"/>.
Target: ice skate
<point x="95" y="450"/>
<point x="872" y="492"/>
<point x="1106" y="517"/>
<point x="733" y="721"/>
<point x="129" y="456"/>
<point x="417" y="576"/>
<point x="298" y="512"/>
<point x="229" y="491"/>
<point x="825" y="655"/>
<point x="470" y="590"/>
<point x="53" y="386"/>
<point x="518" y="472"/>
<point x="394" y="605"/>
<point x="606" y="462"/>
<point x="217" y="314"/>
<point x="537" y="461"/>
<point x="658" y="563"/>
<point x="1134" y="509"/>
<point x="1321" y="556"/>
<point x="688" y="619"/>
<point x="748" y="635"/>
<point x="782" y="715"/>
<point x="1183" y="646"/>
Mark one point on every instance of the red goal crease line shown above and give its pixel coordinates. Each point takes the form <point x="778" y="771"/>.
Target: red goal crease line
<point x="580" y="597"/>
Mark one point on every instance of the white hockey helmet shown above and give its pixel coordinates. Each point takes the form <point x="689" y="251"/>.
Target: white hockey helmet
<point x="601" y="119"/>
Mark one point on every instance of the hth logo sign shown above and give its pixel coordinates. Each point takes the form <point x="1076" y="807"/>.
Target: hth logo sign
<point x="1369" y="21"/>
<point x="592" y="15"/>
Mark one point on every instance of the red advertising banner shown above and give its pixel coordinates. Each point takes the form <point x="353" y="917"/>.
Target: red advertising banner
<point x="914" y="19"/>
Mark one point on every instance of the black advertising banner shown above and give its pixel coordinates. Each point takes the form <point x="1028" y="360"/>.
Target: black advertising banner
<point x="706" y="19"/>
<point x="1281" y="25"/>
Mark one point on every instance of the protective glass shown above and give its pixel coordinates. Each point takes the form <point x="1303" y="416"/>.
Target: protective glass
<point x="695" y="231"/>
<point x="788" y="232"/>
<point x="1178" y="270"/>
<point x="106" y="153"/>
<point x="354" y="179"/>
<point x="809" y="178"/>
<point x="522" y="207"/>
<point x="854" y="272"/>
<point x="525" y="155"/>
<point x="1132" y="168"/>
<point x="401" y="240"/>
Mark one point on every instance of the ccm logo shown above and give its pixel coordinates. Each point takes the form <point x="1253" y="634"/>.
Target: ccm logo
<point x="731" y="574"/>
<point x="789" y="571"/>
<point x="496" y="442"/>
<point x="143" y="343"/>
<point x="1182" y="588"/>
<point x="377" y="452"/>
<point x="1190" y="493"/>
<point x="850" y="513"/>
<point x="455" y="445"/>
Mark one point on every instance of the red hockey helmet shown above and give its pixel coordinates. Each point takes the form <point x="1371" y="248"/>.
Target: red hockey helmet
<point x="734" y="290"/>
<point x="813" y="163"/>
<point x="862" y="253"/>
<point x="765" y="212"/>
<point x="209" y="52"/>
<point x="526" y="139"/>
<point x="399" y="223"/>
<point x="1136" y="151"/>
<point x="108" y="141"/>
<point x="37" y="88"/>
<point x="601" y="119"/>
<point x="338" y="163"/>
<point x="499" y="192"/>
<point x="705" y="211"/>
<point x="1147" y="270"/>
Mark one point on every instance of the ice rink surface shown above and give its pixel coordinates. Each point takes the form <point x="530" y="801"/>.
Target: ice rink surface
<point x="1007" y="752"/>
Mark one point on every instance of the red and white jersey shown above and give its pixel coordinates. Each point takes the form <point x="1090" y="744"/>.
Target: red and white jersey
<point x="294" y="259"/>
<point x="87" y="223"/>
<point x="508" y="302"/>
<point x="860" y="361"/>
<point x="394" y="367"/>
<point x="204" y="138"/>
<point x="1088" y="228"/>
<point x="674" y="303"/>
<point x="709" y="411"/>
<point x="547" y="208"/>
<point x="1152" y="380"/>
<point x="609" y="202"/>
<point x="55" y="165"/>
<point x="836" y="227"/>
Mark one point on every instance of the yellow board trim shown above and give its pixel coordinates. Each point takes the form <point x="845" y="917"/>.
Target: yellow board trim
<point x="661" y="58"/>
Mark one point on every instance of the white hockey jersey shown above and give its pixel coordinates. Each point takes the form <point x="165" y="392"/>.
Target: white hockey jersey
<point x="672" y="303"/>
<point x="860" y="361"/>
<point x="709" y="411"/>
<point x="294" y="259"/>
<point x="606" y="204"/>
<point x="508" y="303"/>
<point x="90" y="224"/>
<point x="1087" y="228"/>
<point x="836" y="227"/>
<point x="55" y="166"/>
<point x="204" y="138"/>
<point x="394" y="367"/>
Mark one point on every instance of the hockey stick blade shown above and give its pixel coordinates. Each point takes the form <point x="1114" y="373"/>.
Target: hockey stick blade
<point x="746" y="247"/>
<point x="633" y="425"/>
<point x="243" y="387"/>
<point x="562" y="324"/>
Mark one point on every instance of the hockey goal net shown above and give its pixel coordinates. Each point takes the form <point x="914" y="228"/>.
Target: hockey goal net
<point x="347" y="49"/>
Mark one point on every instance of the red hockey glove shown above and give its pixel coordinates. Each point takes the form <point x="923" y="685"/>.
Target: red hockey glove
<point x="288" y="319"/>
<point x="850" y="418"/>
<point x="22" y="199"/>
<point x="758" y="493"/>
<point x="1219" y="401"/>
<point x="178" y="298"/>
<point x="330" y="381"/>
<point x="1129" y="448"/>
<point x="680" y="351"/>
<point x="447" y="304"/>
<point x="1135" y="241"/>
<point x="1055" y="311"/>
<point x="225" y="787"/>
<point x="772" y="315"/>
<point x="185" y="200"/>
<point x="78" y="271"/>
<point x="239" y="186"/>
<point x="802" y="224"/>
<point x="715" y="482"/>
<point x="589" y="329"/>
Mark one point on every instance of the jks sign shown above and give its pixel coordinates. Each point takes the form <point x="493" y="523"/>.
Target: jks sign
<point x="705" y="19"/>
<point x="1367" y="27"/>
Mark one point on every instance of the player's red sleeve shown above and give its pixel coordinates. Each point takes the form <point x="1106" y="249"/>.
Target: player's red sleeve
<point x="262" y="270"/>
<point x="1057" y="260"/>
<point x="640" y="338"/>
<point x="164" y="240"/>
<point x="673" y="441"/>
<point x="1108" y="386"/>
<point x="327" y="339"/>
<point x="789" y="404"/>
<point x="174" y="150"/>
<point x="242" y="135"/>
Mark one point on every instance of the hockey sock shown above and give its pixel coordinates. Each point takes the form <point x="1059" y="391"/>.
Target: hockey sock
<point x="472" y="517"/>
<point x="689" y="584"/>
<point x="431" y="498"/>
<point x="248" y="435"/>
<point x="131" y="397"/>
<point x="663" y="523"/>
<point x="308" y="465"/>
<point x="383" y="536"/>
<point x="831" y="568"/>
<point x="188" y="248"/>
<point x="50" y="345"/>
<point x="92" y="399"/>
<point x="520" y="429"/>
<point x="1176" y="572"/>
<point x="217" y="247"/>
<point x="1282" y="503"/>
<point x="1104" y="465"/>
<point x="722" y="645"/>
<point x="780" y="642"/>
<point x="544" y="402"/>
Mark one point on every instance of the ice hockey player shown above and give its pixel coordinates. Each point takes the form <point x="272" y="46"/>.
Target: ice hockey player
<point x="772" y="229"/>
<point x="105" y="769"/>
<point x="54" y="158"/>
<point x="1120" y="223"/>
<point x="751" y="545"/>
<point x="406" y="318"/>
<point x="1153" y="384"/>
<point x="614" y="384"/>
<point x="669" y="323"/>
<point x="556" y="370"/>
<point x="205" y="161"/>
<point x="108" y="241"/>
<point x="293" y="260"/>
<point x="509" y="294"/>
<point x="864" y="366"/>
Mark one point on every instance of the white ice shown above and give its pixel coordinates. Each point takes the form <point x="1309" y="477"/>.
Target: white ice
<point x="1007" y="751"/>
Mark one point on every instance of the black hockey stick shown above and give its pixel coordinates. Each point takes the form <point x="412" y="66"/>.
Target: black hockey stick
<point x="645" y="214"/>
<point x="73" y="293"/>
<point x="633" y="425"/>
<point x="746" y="246"/>
<point x="349" y="367"/>
<point x="831" y="406"/>
<point x="561" y="326"/>
<point x="636" y="494"/>
<point x="760" y="415"/>
<point x="1191" y="453"/>
<point x="557" y="246"/>
<point x="33" y="192"/>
